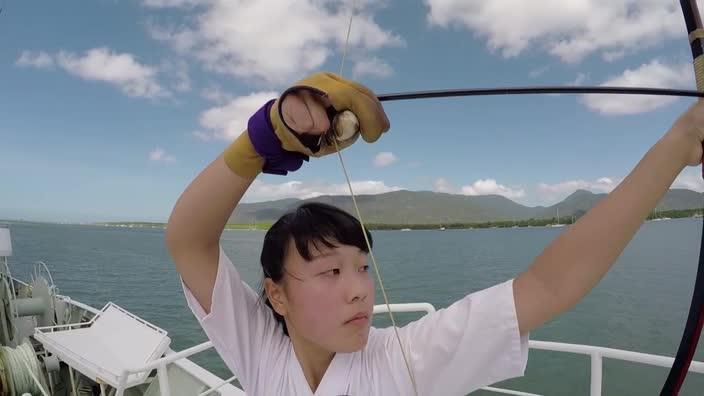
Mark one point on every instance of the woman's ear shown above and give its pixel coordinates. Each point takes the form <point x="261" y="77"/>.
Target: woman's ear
<point x="277" y="297"/>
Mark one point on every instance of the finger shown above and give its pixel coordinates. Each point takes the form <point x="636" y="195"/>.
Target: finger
<point x="295" y="113"/>
<point x="318" y="115"/>
<point x="364" y="104"/>
<point x="372" y="119"/>
<point x="304" y="112"/>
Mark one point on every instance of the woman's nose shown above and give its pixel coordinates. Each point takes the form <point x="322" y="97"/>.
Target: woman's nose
<point x="357" y="288"/>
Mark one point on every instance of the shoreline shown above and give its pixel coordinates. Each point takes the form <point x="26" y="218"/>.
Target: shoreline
<point x="526" y="223"/>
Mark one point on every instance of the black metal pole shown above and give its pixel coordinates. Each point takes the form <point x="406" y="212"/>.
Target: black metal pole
<point x="537" y="90"/>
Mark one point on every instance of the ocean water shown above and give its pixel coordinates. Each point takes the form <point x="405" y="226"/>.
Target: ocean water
<point x="640" y="305"/>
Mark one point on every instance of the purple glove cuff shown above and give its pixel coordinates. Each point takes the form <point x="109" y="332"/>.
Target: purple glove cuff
<point x="277" y="161"/>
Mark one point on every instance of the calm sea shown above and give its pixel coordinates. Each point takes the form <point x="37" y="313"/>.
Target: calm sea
<point x="641" y="305"/>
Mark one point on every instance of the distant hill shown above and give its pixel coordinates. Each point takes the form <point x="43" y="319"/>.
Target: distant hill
<point x="426" y="207"/>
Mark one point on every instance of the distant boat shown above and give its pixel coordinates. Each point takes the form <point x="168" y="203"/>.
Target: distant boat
<point x="558" y="220"/>
<point x="405" y="229"/>
<point x="442" y="228"/>
<point x="655" y="216"/>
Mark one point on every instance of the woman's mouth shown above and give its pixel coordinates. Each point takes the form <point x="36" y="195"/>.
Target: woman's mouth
<point x="359" y="319"/>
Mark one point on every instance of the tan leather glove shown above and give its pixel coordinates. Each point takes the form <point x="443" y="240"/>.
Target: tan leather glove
<point x="271" y="146"/>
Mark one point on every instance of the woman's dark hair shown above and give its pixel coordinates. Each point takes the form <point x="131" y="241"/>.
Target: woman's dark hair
<point x="310" y="225"/>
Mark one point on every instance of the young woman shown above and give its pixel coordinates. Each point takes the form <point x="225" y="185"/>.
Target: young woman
<point x="313" y="335"/>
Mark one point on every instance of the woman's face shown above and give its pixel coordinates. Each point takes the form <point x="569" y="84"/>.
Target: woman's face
<point x="329" y="300"/>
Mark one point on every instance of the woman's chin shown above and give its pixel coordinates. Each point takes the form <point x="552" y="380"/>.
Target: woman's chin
<point x="354" y="343"/>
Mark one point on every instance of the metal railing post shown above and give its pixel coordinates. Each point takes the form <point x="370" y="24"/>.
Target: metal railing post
<point x="596" y="381"/>
<point x="163" y="380"/>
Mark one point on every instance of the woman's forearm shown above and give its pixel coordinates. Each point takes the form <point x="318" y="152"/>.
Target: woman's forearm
<point x="578" y="259"/>
<point x="202" y="210"/>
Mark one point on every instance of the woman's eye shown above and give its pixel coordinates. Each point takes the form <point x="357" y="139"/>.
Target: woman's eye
<point x="334" y="271"/>
<point x="365" y="268"/>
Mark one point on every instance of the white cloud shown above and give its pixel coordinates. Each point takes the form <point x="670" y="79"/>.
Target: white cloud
<point x="372" y="67"/>
<point x="611" y="56"/>
<point x="384" y="158"/>
<point x="271" y="41"/>
<point x="490" y="186"/>
<point x="580" y="79"/>
<point x="479" y="187"/>
<point x="159" y="155"/>
<point x="443" y="185"/>
<point x="654" y="74"/>
<point x="262" y="191"/>
<point x="691" y="179"/>
<point x="204" y="136"/>
<point x="171" y="3"/>
<point x="548" y="194"/>
<point x="120" y="70"/>
<point x="215" y="94"/>
<point x="182" y="40"/>
<point x="178" y="74"/>
<point x="228" y="121"/>
<point x="569" y="30"/>
<point x="40" y="60"/>
<point x="535" y="73"/>
<point x="556" y="192"/>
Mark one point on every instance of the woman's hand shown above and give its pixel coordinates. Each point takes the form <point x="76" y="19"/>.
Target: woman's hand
<point x="315" y="103"/>
<point x="287" y="131"/>
<point x="304" y="112"/>
<point x="688" y="134"/>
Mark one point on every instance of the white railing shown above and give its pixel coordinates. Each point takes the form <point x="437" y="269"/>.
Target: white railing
<point x="596" y="353"/>
<point x="409" y="307"/>
<point x="162" y="374"/>
<point x="160" y="364"/>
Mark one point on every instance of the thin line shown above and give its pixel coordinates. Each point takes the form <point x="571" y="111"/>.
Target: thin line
<point x="347" y="40"/>
<point x="364" y="229"/>
<point x="376" y="268"/>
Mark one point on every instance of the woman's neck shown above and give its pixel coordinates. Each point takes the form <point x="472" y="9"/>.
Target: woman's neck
<point x="313" y="359"/>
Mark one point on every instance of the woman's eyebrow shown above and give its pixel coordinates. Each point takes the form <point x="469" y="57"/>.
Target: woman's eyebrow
<point x="332" y="252"/>
<point x="326" y="253"/>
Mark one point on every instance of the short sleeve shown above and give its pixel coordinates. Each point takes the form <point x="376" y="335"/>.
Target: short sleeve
<point x="473" y="343"/>
<point x="241" y="327"/>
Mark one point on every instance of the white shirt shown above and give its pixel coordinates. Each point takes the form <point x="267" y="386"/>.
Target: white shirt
<point x="473" y="343"/>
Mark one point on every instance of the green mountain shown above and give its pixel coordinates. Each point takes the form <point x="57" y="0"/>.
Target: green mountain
<point x="426" y="207"/>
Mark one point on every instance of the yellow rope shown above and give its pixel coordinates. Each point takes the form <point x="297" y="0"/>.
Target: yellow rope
<point x="696" y="34"/>
<point x="364" y="228"/>
<point x="699" y="72"/>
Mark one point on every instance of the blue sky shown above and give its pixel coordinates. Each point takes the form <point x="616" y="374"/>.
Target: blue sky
<point x="110" y="108"/>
